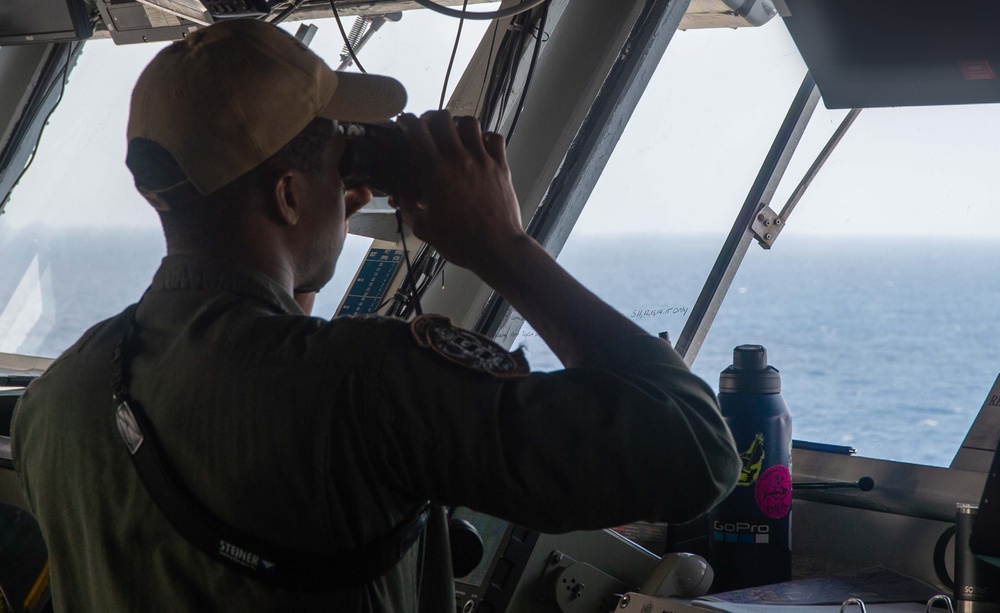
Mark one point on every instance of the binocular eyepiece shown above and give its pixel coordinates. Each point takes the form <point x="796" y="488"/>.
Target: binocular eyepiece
<point x="378" y="156"/>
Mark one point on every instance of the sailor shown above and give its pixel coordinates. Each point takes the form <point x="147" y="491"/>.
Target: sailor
<point x="216" y="448"/>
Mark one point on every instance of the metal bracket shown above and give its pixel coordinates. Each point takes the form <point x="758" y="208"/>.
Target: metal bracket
<point x="766" y="226"/>
<point x="582" y="588"/>
<point x="306" y="33"/>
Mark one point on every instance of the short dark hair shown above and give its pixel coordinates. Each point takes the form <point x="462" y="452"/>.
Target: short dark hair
<point x="155" y="168"/>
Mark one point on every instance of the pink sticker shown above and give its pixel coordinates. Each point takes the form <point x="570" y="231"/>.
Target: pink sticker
<point x="773" y="491"/>
<point x="976" y="71"/>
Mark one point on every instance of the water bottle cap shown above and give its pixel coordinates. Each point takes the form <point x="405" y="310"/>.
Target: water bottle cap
<point x="749" y="372"/>
<point x="749" y="357"/>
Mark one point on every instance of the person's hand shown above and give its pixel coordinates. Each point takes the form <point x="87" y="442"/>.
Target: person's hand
<point x="468" y="211"/>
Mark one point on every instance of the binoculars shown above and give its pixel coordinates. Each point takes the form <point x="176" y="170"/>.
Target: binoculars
<point x="378" y="156"/>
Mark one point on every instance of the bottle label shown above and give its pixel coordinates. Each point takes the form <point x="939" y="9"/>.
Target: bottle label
<point x="753" y="459"/>
<point x="773" y="491"/>
<point x="747" y="533"/>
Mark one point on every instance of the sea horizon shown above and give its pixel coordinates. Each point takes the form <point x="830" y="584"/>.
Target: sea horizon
<point x="884" y="343"/>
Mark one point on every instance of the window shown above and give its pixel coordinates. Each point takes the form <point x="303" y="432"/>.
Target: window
<point x="878" y="302"/>
<point x="77" y="241"/>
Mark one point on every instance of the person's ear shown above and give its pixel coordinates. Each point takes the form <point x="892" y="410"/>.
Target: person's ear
<point x="354" y="199"/>
<point x="287" y="197"/>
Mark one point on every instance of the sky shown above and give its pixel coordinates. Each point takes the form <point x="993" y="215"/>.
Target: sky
<point x="684" y="164"/>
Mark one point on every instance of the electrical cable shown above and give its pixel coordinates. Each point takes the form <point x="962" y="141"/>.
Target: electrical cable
<point x="512" y="60"/>
<point x="503" y="76"/>
<point x="409" y="269"/>
<point x="426" y="280"/>
<point x="504" y="89"/>
<point x="451" y="60"/>
<point x="343" y="33"/>
<point x="492" y="90"/>
<point x="514" y="66"/>
<point x="498" y="91"/>
<point x="401" y="295"/>
<point x="383" y="304"/>
<point x="429" y="265"/>
<point x="504" y="67"/>
<point x="527" y="5"/>
<point x="531" y="72"/>
<point x="486" y="76"/>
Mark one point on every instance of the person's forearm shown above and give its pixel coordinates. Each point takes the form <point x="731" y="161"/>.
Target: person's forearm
<point x="573" y="321"/>
<point x="470" y="214"/>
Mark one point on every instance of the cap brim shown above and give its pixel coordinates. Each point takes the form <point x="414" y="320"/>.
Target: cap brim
<point x="364" y="97"/>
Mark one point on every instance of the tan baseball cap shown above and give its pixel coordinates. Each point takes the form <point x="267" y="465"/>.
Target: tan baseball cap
<point x="230" y="95"/>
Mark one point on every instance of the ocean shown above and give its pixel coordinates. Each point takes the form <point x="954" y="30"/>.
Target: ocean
<point x="884" y="344"/>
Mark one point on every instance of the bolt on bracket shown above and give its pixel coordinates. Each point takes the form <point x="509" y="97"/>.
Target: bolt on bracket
<point x="766" y="226"/>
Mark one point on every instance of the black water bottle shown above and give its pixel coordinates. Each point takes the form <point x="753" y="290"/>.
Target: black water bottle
<point x="751" y="532"/>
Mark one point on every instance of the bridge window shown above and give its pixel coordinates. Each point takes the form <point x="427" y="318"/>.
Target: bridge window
<point x="78" y="243"/>
<point x="879" y="301"/>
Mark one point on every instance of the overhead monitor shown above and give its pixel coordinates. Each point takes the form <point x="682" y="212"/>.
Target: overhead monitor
<point x="882" y="53"/>
<point x="43" y="21"/>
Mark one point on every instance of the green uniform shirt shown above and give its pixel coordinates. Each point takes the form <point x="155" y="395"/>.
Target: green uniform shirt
<point x="322" y="436"/>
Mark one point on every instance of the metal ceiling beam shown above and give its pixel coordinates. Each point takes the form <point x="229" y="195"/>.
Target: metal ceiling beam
<point x="314" y="9"/>
<point x="320" y="9"/>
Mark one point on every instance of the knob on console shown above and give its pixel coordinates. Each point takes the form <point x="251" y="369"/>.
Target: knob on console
<point x="679" y="574"/>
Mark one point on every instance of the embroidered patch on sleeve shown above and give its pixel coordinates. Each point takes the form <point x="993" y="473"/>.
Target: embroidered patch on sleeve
<point x="467" y="348"/>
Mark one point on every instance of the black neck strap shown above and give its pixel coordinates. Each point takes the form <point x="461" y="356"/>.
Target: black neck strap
<point x="267" y="562"/>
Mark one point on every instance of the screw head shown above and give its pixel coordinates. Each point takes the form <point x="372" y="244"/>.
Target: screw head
<point x="767" y="236"/>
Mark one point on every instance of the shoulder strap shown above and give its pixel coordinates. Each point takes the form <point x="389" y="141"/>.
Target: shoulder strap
<point x="267" y="562"/>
